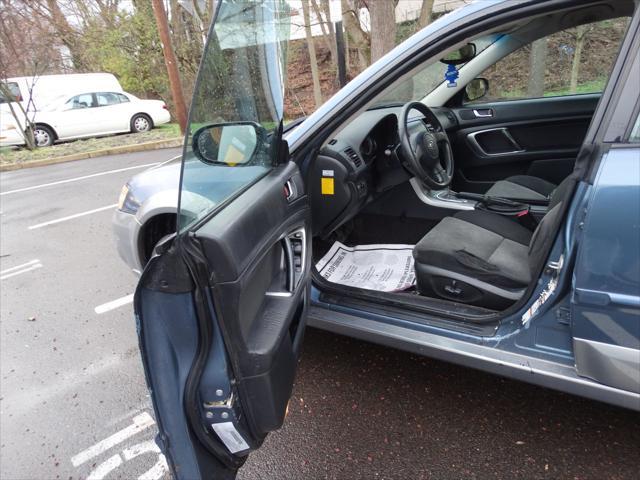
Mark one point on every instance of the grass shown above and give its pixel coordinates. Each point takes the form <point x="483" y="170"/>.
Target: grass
<point x="594" y="86"/>
<point x="10" y="155"/>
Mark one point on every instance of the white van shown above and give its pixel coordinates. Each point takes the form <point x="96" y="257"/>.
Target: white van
<point x="35" y="92"/>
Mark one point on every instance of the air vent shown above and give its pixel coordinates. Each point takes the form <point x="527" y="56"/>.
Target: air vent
<point x="351" y="153"/>
<point x="333" y="141"/>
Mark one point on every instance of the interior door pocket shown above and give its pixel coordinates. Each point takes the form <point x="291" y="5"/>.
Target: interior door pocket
<point x="493" y="142"/>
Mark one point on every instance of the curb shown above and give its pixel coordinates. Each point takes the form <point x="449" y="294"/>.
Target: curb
<point x="140" y="147"/>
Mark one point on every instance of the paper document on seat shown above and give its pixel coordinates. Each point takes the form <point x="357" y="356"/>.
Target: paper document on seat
<point x="386" y="268"/>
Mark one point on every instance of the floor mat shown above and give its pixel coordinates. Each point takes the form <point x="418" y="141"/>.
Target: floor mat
<point x="382" y="267"/>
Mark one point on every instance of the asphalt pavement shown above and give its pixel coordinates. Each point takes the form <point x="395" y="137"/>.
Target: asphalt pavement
<point x="73" y="402"/>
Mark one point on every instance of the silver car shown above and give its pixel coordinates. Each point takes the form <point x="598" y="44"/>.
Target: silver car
<point x="146" y="212"/>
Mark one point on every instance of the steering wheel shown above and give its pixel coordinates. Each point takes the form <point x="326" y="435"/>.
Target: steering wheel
<point x="427" y="151"/>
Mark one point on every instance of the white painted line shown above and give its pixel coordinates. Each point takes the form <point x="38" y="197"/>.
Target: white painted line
<point x="20" y="272"/>
<point x="105" y="468"/>
<point x="140" y="423"/>
<point x="71" y="217"/>
<point x="76" y="179"/>
<point x="112" y="305"/>
<point x="17" y="267"/>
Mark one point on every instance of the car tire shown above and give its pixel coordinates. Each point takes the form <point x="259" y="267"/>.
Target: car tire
<point x="43" y="136"/>
<point x="141" y="123"/>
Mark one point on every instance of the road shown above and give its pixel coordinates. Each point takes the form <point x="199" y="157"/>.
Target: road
<point x="73" y="402"/>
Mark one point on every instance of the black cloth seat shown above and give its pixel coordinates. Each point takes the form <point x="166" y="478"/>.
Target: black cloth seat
<point x="483" y="258"/>
<point x="522" y="187"/>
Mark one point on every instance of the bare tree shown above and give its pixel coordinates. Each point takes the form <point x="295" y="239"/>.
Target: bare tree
<point x="204" y="15"/>
<point x="22" y="54"/>
<point x="323" y="17"/>
<point x="317" y="93"/>
<point x="171" y="64"/>
<point x="23" y="122"/>
<point x="356" y="36"/>
<point x="383" y="27"/>
<point x="537" y="68"/>
<point x="581" y="33"/>
<point x="426" y="12"/>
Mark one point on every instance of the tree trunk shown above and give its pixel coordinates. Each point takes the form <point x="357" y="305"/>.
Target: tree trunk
<point x="383" y="27"/>
<point x="317" y="93"/>
<point x="67" y="34"/>
<point x="27" y="130"/>
<point x="581" y="32"/>
<point x="537" y="67"/>
<point x="356" y="37"/>
<point x="426" y="12"/>
<point x="171" y="63"/>
<point x="327" y="29"/>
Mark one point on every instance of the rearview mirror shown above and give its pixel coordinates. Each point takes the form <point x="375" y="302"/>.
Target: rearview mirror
<point x="475" y="89"/>
<point x="228" y="144"/>
<point x="460" y="56"/>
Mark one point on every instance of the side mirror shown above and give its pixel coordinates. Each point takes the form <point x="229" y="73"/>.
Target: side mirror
<point x="476" y="89"/>
<point x="227" y="144"/>
<point x="460" y="56"/>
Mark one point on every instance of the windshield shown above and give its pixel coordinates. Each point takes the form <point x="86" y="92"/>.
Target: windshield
<point x="427" y="79"/>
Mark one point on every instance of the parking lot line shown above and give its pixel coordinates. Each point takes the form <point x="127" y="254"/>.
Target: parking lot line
<point x="20" y="269"/>
<point x="112" y="305"/>
<point x="71" y="217"/>
<point x="17" y="267"/>
<point x="76" y="179"/>
<point x="140" y="423"/>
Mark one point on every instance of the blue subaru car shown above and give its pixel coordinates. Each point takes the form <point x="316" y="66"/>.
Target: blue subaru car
<point x="431" y="205"/>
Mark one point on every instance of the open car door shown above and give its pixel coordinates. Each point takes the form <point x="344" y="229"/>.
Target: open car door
<point x="221" y="306"/>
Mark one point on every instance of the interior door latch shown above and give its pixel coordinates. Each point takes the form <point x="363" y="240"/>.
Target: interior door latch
<point x="289" y="190"/>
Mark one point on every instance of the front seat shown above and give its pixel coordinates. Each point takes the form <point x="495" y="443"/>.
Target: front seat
<point x="522" y="187"/>
<point x="482" y="258"/>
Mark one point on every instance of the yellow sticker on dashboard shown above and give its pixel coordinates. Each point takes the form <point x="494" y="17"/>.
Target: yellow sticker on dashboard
<point x="326" y="186"/>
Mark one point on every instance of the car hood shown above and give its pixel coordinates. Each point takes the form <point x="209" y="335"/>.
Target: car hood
<point x="165" y="176"/>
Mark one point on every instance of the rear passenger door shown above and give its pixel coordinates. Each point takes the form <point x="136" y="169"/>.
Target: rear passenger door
<point x="110" y="113"/>
<point x="536" y="113"/>
<point x="605" y="305"/>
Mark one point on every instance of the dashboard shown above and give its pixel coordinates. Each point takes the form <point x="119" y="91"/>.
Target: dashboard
<point x="360" y="163"/>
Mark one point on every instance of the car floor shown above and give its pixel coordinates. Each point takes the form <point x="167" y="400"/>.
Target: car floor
<point x="367" y="229"/>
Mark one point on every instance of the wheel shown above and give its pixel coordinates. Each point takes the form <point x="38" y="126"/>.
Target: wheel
<point x="141" y="123"/>
<point x="43" y="136"/>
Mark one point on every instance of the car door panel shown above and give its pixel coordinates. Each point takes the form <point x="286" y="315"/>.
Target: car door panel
<point x="539" y="137"/>
<point x="261" y="304"/>
<point x="221" y="306"/>
<point x="230" y="279"/>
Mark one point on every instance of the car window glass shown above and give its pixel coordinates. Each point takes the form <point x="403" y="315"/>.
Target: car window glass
<point x="105" y="99"/>
<point x="14" y="91"/>
<point x="569" y="62"/>
<point x="237" y="106"/>
<point x="123" y="98"/>
<point x="81" y="101"/>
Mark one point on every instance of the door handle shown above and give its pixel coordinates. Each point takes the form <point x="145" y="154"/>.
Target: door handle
<point x="473" y="141"/>
<point x="290" y="266"/>
<point x="483" y="113"/>
<point x="295" y="257"/>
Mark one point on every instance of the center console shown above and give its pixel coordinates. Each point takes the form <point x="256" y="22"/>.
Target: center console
<point x="447" y="198"/>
